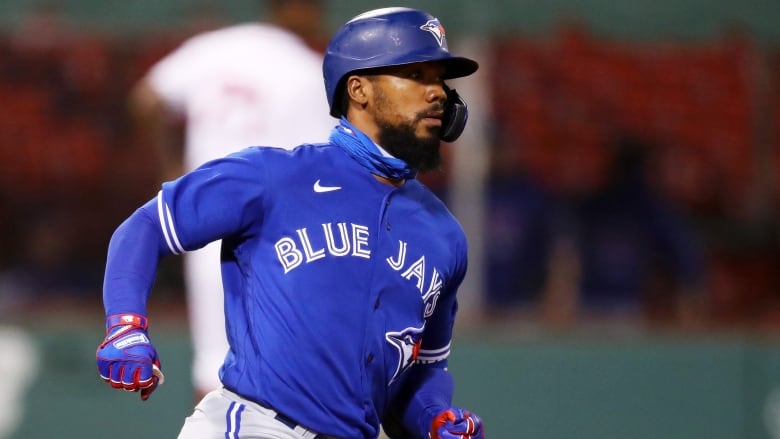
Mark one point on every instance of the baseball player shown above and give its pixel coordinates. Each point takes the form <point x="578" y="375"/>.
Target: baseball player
<point x="225" y="85"/>
<point x="340" y="269"/>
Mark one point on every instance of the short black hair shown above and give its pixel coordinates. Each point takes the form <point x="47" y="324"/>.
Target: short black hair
<point x="341" y="100"/>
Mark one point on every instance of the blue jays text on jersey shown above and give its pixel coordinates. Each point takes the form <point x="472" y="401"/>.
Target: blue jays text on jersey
<point x="292" y="253"/>
<point x="335" y="283"/>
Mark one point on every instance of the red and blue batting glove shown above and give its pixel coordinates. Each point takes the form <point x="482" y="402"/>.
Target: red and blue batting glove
<point x="127" y="358"/>
<point x="456" y="423"/>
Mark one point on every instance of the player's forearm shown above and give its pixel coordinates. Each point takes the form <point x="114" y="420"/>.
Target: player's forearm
<point x="432" y="391"/>
<point x="133" y="255"/>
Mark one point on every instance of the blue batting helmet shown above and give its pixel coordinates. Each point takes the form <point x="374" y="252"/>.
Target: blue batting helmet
<point x="387" y="37"/>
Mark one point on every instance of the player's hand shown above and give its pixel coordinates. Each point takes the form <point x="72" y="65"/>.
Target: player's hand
<point x="127" y="359"/>
<point x="456" y="423"/>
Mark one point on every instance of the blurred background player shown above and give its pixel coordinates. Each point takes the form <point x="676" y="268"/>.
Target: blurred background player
<point x="241" y="85"/>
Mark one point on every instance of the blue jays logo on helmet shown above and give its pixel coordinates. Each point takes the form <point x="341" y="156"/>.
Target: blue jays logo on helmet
<point x="407" y="343"/>
<point x="436" y="29"/>
<point x="387" y="37"/>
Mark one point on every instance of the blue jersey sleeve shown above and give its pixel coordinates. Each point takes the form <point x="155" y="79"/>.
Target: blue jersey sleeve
<point x="134" y="252"/>
<point x="214" y="201"/>
<point x="220" y="199"/>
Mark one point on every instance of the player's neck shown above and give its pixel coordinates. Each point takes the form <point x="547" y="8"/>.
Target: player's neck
<point x="395" y="182"/>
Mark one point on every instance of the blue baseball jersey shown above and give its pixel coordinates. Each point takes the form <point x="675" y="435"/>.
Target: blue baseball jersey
<point x="335" y="284"/>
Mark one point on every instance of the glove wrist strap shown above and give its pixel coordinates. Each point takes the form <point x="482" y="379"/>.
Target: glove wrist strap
<point x="135" y="320"/>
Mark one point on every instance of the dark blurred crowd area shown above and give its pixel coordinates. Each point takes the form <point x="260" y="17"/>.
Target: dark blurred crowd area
<point x="627" y="179"/>
<point x="72" y="166"/>
<point x="635" y="181"/>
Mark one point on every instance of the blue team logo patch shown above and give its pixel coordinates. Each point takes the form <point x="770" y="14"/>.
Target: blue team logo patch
<point x="407" y="343"/>
<point x="436" y="29"/>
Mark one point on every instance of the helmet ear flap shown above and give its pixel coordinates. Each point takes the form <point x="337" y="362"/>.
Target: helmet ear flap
<point x="456" y="113"/>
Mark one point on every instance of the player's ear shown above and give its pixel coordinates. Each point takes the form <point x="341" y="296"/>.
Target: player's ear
<point x="358" y="89"/>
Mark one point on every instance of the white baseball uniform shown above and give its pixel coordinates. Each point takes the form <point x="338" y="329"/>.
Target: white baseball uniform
<point x="245" y="85"/>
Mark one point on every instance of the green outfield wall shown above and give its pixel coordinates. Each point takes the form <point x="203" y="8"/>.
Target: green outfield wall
<point x="568" y="387"/>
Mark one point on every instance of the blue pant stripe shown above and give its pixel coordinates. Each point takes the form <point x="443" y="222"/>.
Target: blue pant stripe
<point x="233" y="420"/>
<point x="229" y="420"/>
<point x="238" y="419"/>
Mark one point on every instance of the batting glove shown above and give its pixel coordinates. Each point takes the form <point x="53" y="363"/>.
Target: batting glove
<point x="456" y="423"/>
<point x="126" y="359"/>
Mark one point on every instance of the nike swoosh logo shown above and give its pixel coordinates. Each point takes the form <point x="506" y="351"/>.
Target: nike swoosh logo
<point x="320" y="188"/>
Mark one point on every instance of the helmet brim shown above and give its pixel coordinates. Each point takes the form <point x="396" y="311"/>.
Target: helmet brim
<point x="458" y="67"/>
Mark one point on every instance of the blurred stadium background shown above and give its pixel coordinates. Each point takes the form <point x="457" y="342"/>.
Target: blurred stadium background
<point x="697" y="81"/>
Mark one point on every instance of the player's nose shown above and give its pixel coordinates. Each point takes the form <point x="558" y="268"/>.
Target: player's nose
<point x="436" y="93"/>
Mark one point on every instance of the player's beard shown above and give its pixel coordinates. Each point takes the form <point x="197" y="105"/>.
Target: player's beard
<point x="402" y="142"/>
